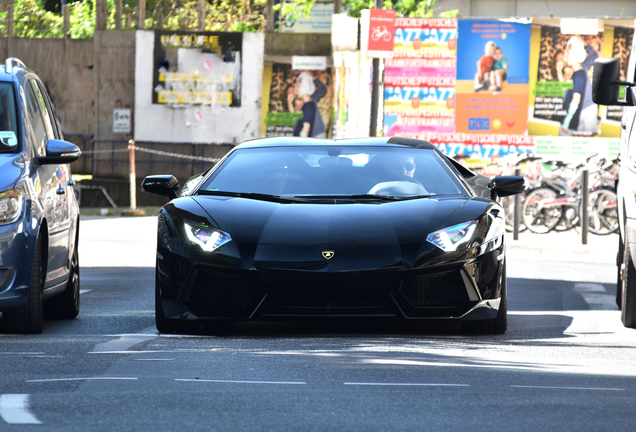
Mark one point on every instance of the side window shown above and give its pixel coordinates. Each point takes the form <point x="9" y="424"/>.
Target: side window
<point x="44" y="109"/>
<point x="38" y="130"/>
<point x="55" y="121"/>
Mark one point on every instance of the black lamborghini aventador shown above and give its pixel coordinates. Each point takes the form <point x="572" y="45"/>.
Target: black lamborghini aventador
<point x="284" y="228"/>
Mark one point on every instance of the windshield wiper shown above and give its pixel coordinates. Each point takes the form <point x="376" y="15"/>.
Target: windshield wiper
<point x="360" y="197"/>
<point x="253" y="195"/>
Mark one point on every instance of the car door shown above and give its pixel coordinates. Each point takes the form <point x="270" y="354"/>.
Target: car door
<point x="53" y="181"/>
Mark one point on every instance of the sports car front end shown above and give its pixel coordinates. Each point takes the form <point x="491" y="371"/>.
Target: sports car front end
<point x="245" y="254"/>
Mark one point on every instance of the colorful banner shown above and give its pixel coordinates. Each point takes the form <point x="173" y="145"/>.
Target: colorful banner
<point x="482" y="89"/>
<point x="492" y="77"/>
<point x="419" y="81"/>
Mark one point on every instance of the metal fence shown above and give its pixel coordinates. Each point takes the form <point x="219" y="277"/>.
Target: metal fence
<point x="109" y="158"/>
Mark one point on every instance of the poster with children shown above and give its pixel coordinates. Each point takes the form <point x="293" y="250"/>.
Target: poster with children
<point x="492" y="87"/>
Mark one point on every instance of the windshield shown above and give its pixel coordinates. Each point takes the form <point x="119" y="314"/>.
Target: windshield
<point x="8" y="122"/>
<point x="319" y="171"/>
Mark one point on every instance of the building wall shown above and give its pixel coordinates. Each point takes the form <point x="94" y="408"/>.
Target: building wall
<point x="114" y="79"/>
<point x="66" y="68"/>
<point x="219" y="125"/>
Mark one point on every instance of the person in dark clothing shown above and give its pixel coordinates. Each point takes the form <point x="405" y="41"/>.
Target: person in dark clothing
<point x="581" y="111"/>
<point x="311" y="124"/>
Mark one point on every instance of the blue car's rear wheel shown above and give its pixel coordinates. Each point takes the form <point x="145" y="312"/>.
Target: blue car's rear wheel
<point x="67" y="304"/>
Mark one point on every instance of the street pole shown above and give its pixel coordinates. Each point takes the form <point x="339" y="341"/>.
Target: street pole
<point x="585" y="221"/>
<point x="375" y="88"/>
<point x="133" y="175"/>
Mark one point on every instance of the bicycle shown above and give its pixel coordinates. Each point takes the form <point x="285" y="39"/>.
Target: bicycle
<point x="557" y="203"/>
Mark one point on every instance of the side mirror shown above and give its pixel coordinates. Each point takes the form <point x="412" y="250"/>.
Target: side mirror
<point x="506" y="185"/>
<point x="164" y="185"/>
<point x="59" y="152"/>
<point x="606" y="84"/>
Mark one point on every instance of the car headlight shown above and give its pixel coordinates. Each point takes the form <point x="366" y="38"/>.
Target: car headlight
<point x="11" y="202"/>
<point x="448" y="239"/>
<point x="206" y="237"/>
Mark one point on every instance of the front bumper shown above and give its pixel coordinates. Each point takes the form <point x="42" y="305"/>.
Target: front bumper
<point x="16" y="253"/>
<point x="465" y="290"/>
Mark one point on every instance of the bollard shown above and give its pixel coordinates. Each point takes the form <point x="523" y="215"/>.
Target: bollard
<point x="517" y="212"/>
<point x="585" y="201"/>
<point x="133" y="175"/>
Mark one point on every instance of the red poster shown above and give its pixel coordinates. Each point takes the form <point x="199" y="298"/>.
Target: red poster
<point x="381" y="30"/>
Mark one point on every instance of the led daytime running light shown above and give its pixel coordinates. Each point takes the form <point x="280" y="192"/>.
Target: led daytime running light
<point x="449" y="239"/>
<point x="209" y="239"/>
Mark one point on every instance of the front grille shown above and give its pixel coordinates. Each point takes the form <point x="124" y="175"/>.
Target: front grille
<point x="217" y="290"/>
<point x="434" y="290"/>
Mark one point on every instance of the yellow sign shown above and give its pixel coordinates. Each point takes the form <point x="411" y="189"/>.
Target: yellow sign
<point x="197" y="98"/>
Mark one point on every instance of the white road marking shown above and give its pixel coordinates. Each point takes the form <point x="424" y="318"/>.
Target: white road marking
<point x="84" y="291"/>
<point x="160" y="359"/>
<point x="407" y="384"/>
<point x="568" y="388"/>
<point x="242" y="382"/>
<point x="14" y="409"/>
<point x="81" y="379"/>
<point x="123" y="343"/>
<point x="596" y="296"/>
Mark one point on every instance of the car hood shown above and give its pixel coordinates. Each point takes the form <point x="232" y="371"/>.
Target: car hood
<point x="374" y="235"/>
<point x="11" y="166"/>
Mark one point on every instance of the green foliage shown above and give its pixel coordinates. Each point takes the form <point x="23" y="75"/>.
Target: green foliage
<point x="403" y="8"/>
<point x="33" y="20"/>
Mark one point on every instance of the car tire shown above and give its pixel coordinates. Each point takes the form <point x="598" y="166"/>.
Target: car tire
<point x="497" y="325"/>
<point x="163" y="324"/>
<point x="67" y="304"/>
<point x="29" y="318"/>
<point x="619" y="274"/>
<point x="628" y="303"/>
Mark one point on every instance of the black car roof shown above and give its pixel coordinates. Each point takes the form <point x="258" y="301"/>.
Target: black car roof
<point x="295" y="141"/>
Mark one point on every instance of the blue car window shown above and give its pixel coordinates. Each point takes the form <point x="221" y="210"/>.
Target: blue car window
<point x="38" y="129"/>
<point x="44" y="109"/>
<point x="8" y="121"/>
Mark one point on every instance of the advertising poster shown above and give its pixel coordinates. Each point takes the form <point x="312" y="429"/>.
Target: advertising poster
<point x="285" y="105"/>
<point x="419" y="80"/>
<point x="611" y="117"/>
<point x="563" y="103"/>
<point x="492" y="87"/>
<point x="197" y="68"/>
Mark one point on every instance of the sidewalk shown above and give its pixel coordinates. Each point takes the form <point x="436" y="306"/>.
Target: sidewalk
<point x="564" y="246"/>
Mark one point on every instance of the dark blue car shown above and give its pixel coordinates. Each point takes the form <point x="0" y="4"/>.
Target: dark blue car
<point x="39" y="215"/>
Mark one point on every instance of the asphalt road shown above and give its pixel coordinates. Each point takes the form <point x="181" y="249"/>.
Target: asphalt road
<point x="566" y="362"/>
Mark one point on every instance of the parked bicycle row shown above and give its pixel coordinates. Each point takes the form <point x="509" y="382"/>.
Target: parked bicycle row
<point x="553" y="197"/>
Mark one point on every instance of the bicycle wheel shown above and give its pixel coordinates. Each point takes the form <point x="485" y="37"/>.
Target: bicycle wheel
<point x="602" y="213"/>
<point x="508" y="203"/>
<point x="537" y="216"/>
